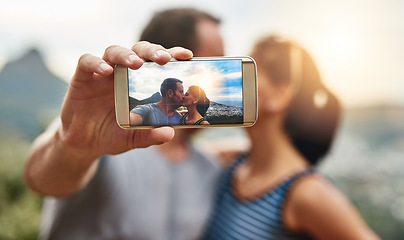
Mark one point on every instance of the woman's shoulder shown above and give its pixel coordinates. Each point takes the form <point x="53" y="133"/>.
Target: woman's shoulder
<point x="316" y="206"/>
<point x="314" y="191"/>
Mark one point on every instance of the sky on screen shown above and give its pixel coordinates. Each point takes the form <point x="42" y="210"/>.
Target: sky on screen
<point x="221" y="80"/>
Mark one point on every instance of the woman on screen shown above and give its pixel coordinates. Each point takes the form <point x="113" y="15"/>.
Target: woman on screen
<point x="197" y="104"/>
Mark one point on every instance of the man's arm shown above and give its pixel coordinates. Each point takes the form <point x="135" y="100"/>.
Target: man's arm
<point x="54" y="169"/>
<point x="135" y="119"/>
<point x="62" y="162"/>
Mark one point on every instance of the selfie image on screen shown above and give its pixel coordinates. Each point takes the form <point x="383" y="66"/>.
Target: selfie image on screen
<point x="186" y="93"/>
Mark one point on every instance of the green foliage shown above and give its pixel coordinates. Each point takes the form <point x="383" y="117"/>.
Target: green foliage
<point x="19" y="208"/>
<point x="382" y="222"/>
<point x="376" y="214"/>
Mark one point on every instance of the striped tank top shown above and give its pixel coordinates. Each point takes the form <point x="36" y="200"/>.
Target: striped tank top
<point x="182" y="120"/>
<point x="260" y="218"/>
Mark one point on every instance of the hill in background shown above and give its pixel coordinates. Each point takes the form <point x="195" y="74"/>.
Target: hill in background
<point x="30" y="95"/>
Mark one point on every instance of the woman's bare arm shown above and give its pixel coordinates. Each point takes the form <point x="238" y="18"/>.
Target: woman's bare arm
<point x="316" y="207"/>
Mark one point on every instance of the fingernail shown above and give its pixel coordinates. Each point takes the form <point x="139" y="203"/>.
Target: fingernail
<point x="133" y="58"/>
<point x="104" y="67"/>
<point x="160" y="53"/>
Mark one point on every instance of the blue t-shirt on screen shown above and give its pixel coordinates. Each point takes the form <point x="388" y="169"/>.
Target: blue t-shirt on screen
<point x="152" y="115"/>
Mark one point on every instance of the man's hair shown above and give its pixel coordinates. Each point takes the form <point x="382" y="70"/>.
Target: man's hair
<point x="169" y="83"/>
<point x="175" y="27"/>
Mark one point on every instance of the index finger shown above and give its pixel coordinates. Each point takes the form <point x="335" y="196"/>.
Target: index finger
<point x="88" y="65"/>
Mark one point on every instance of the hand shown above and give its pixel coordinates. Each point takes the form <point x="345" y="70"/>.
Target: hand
<point x="88" y="113"/>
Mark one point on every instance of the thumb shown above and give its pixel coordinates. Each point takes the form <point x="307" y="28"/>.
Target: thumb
<point x="147" y="137"/>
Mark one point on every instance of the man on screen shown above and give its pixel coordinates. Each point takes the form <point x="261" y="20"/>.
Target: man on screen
<point x="163" y="112"/>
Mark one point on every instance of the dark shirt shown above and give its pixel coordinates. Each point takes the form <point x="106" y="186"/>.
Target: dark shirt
<point x="182" y="121"/>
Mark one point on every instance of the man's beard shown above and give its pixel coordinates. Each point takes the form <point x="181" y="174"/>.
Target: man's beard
<point x="176" y="105"/>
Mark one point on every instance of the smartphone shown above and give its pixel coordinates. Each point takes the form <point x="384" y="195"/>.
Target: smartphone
<point x="201" y="92"/>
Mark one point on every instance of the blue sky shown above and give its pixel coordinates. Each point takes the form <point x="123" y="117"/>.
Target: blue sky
<point x="357" y="44"/>
<point x="221" y="80"/>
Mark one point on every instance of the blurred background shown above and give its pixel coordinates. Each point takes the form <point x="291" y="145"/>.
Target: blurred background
<point x="356" y="44"/>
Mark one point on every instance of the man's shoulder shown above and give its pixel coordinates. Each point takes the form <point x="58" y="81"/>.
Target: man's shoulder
<point x="201" y="157"/>
<point x="145" y="107"/>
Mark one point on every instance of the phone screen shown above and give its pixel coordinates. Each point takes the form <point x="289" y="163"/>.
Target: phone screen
<point x="187" y="93"/>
